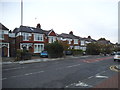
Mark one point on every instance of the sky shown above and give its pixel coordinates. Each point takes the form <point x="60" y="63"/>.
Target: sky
<point x="95" y="18"/>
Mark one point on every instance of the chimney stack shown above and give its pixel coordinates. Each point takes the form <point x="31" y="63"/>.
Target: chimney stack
<point x="38" y="26"/>
<point x="71" y="32"/>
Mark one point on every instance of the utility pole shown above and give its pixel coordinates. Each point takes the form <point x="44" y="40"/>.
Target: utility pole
<point x="21" y="12"/>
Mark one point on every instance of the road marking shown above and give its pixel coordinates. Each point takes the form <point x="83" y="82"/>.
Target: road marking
<point x="96" y="59"/>
<point x="13" y="68"/>
<point x="82" y="84"/>
<point x="23" y="75"/>
<point x="114" y="69"/>
<point x="68" y="66"/>
<point x="79" y="84"/>
<point x="99" y="76"/>
<point x="34" y="73"/>
<point x="73" y="65"/>
<point x="3" y="78"/>
<point x="90" y="77"/>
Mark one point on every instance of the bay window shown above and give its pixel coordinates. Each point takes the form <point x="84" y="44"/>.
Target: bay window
<point x="38" y="48"/>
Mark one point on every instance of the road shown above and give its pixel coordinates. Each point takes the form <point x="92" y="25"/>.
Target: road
<point x="85" y="72"/>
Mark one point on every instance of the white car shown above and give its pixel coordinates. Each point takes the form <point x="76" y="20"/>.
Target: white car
<point x="117" y="56"/>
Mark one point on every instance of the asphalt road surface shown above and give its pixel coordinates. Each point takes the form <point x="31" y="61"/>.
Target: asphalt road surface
<point x="85" y="72"/>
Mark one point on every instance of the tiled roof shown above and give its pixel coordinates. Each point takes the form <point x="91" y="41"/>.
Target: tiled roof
<point x="28" y="30"/>
<point x="104" y="41"/>
<point x="64" y="35"/>
<point x="3" y="27"/>
<point x="46" y="32"/>
<point x="88" y="39"/>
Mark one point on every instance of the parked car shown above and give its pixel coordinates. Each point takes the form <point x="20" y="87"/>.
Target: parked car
<point x="68" y="52"/>
<point x="117" y="56"/>
<point x="44" y="54"/>
<point x="113" y="53"/>
<point x="84" y="53"/>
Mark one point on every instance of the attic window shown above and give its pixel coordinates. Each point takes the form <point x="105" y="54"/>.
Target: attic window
<point x="32" y="29"/>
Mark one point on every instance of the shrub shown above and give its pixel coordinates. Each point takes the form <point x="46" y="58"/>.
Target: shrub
<point x="76" y="51"/>
<point x="18" y="54"/>
<point x="54" y="49"/>
<point x="93" y="49"/>
<point x="22" y="55"/>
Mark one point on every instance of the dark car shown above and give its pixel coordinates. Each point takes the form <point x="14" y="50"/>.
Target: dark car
<point x="44" y="54"/>
<point x="68" y="52"/>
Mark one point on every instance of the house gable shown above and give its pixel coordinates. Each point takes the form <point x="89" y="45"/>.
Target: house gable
<point x="52" y="33"/>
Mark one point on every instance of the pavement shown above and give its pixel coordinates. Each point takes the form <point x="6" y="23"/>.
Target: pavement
<point x="10" y="60"/>
<point x="110" y="83"/>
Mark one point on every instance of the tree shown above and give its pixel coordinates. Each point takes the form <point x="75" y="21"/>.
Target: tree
<point x="93" y="49"/>
<point x="65" y="44"/>
<point x="54" y="49"/>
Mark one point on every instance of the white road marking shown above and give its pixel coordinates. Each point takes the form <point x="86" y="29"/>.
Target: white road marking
<point x="13" y="68"/>
<point x="3" y="78"/>
<point x="100" y="72"/>
<point x="23" y="75"/>
<point x="73" y="65"/>
<point x="99" y="76"/>
<point x="90" y="77"/>
<point x="82" y="84"/>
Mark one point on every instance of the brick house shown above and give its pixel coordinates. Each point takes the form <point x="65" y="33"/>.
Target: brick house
<point x="4" y="41"/>
<point x="85" y="41"/>
<point x="73" y="40"/>
<point x="12" y="45"/>
<point x="33" y="39"/>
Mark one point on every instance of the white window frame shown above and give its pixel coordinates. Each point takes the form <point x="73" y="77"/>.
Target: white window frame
<point x="25" y="36"/>
<point x="51" y="39"/>
<point x="38" y="37"/>
<point x="76" y="47"/>
<point x="39" y="48"/>
<point x="82" y="42"/>
<point x="1" y="35"/>
<point x="75" y="41"/>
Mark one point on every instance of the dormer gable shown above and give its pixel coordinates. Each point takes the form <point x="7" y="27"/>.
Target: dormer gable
<point x="52" y="33"/>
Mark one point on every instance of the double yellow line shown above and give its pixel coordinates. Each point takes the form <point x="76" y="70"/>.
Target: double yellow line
<point x="113" y="68"/>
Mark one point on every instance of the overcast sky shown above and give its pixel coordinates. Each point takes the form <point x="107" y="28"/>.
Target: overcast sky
<point x="97" y="18"/>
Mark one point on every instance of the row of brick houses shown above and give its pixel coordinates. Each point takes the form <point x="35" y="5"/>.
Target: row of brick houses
<point x="34" y="39"/>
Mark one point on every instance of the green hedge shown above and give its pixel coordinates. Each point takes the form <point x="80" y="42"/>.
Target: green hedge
<point x="76" y="51"/>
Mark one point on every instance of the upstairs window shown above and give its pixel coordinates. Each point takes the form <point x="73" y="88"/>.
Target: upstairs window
<point x="25" y="36"/>
<point x="38" y="37"/>
<point x="82" y="42"/>
<point x="75" y="41"/>
<point x="2" y="35"/>
<point x="52" y="39"/>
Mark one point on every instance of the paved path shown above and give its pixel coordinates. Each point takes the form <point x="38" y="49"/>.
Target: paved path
<point x="110" y="83"/>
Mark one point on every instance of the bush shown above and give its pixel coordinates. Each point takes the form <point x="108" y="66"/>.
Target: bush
<point x="76" y="51"/>
<point x="93" y="49"/>
<point x="54" y="50"/>
<point x="23" y="55"/>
